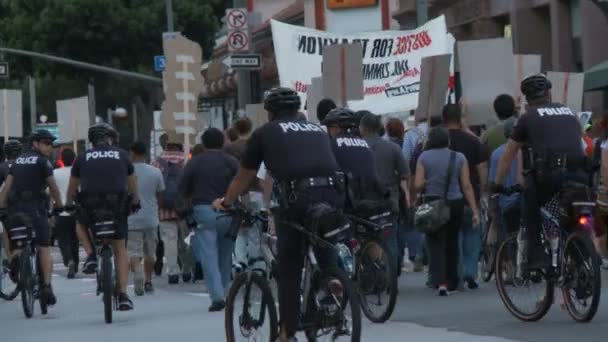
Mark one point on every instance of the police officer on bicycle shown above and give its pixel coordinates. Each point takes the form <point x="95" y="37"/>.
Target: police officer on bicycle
<point x="25" y="192"/>
<point x="549" y="135"/>
<point x="101" y="173"/>
<point x="299" y="157"/>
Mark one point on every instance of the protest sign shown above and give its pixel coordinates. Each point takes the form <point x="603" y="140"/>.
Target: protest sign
<point x="434" y="83"/>
<point x="257" y="114"/>
<point x="391" y="61"/>
<point x="11" y="124"/>
<point x="486" y="70"/>
<point x="567" y="89"/>
<point x="343" y="73"/>
<point x="73" y="120"/>
<point x="314" y="95"/>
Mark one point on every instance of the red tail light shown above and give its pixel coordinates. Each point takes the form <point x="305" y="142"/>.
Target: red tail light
<point x="387" y="233"/>
<point x="353" y="243"/>
<point x="583" y="220"/>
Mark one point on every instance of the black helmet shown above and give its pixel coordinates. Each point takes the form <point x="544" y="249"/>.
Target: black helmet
<point x="280" y="100"/>
<point x="342" y="117"/>
<point x="42" y="134"/>
<point x="101" y="131"/>
<point x="12" y="149"/>
<point x="535" y="86"/>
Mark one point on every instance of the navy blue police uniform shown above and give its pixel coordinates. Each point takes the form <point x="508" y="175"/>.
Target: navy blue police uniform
<point x="103" y="170"/>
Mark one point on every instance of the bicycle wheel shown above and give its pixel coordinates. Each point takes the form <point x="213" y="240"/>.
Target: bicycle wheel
<point x="509" y="285"/>
<point x="486" y="259"/>
<point x="8" y="289"/>
<point x="376" y="282"/>
<point x="333" y="321"/>
<point x="107" y="288"/>
<point x="27" y="282"/>
<point x="251" y="313"/>
<point x="582" y="278"/>
<point x="40" y="279"/>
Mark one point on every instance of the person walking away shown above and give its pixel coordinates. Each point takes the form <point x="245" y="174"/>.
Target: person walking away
<point x="324" y="107"/>
<point x="407" y="235"/>
<point x="207" y="177"/>
<point x="504" y="106"/>
<point x="393" y="173"/>
<point x="141" y="239"/>
<point x="438" y="169"/>
<point x="477" y="158"/>
<point x="284" y="145"/>
<point x="65" y="223"/>
<point x="171" y="164"/>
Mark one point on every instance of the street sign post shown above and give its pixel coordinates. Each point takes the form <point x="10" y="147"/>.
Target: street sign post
<point x="4" y="70"/>
<point x="249" y="61"/>
<point x="159" y="63"/>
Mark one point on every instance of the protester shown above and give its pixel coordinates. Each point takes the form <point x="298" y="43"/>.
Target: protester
<point x="237" y="148"/>
<point x="324" y="107"/>
<point x="207" y="177"/>
<point x="477" y="158"/>
<point x="431" y="177"/>
<point x="504" y="106"/>
<point x="171" y="164"/>
<point x="414" y="136"/>
<point x="142" y="225"/>
<point x="393" y="173"/>
<point x="65" y="224"/>
<point x="231" y="135"/>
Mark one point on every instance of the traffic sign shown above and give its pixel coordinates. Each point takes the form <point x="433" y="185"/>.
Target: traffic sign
<point x="4" y="70"/>
<point x="251" y="61"/>
<point x="159" y="63"/>
<point x="238" y="41"/>
<point x="236" y="18"/>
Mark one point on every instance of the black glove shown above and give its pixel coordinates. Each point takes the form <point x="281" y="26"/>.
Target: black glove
<point x="497" y="188"/>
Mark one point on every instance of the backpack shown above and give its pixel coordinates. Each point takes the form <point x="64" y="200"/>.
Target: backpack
<point x="171" y="175"/>
<point x="417" y="150"/>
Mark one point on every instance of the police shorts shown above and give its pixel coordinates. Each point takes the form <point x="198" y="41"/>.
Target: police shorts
<point x="121" y="226"/>
<point x="38" y="222"/>
<point x="142" y="243"/>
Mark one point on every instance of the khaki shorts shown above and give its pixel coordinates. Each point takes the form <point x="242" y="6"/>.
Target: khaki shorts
<point x="142" y="243"/>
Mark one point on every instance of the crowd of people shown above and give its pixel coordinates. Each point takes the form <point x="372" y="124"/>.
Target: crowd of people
<point x="174" y="201"/>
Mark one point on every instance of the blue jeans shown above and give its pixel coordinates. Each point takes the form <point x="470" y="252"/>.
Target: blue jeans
<point x="470" y="246"/>
<point x="214" y="249"/>
<point x="392" y="245"/>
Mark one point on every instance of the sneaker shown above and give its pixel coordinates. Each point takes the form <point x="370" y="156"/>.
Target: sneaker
<point x="471" y="283"/>
<point x="47" y="292"/>
<point x="90" y="265"/>
<point x="71" y="270"/>
<point x="173" y="279"/>
<point x="148" y="287"/>
<point x="124" y="302"/>
<point x="443" y="291"/>
<point x="217" y="306"/>
<point x="139" y="284"/>
<point x="186" y="277"/>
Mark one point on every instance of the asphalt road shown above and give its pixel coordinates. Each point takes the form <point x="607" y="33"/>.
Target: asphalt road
<point x="179" y="313"/>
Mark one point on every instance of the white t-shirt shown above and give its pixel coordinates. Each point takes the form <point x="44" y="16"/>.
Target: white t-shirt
<point x="62" y="178"/>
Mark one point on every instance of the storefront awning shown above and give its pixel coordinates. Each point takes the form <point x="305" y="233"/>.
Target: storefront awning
<point x="596" y="78"/>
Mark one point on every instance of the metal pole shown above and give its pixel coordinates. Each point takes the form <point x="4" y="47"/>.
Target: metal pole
<point x="33" y="109"/>
<point x="244" y="83"/>
<point x="422" y="14"/>
<point x="83" y="65"/>
<point x="134" y="113"/>
<point x="5" y="113"/>
<point x="169" y="8"/>
<point x="92" y="104"/>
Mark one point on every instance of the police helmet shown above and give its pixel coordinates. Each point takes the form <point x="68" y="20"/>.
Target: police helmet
<point x="12" y="149"/>
<point x="42" y="134"/>
<point x="101" y="131"/>
<point x="342" y="117"/>
<point x="535" y="86"/>
<point x="279" y="100"/>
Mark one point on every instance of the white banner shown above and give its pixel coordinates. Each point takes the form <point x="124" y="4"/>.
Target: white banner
<point x="391" y="61"/>
<point x="73" y="119"/>
<point x="13" y="108"/>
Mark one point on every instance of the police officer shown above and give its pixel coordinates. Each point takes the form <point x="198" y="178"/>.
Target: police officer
<point x="353" y="155"/>
<point x="549" y="135"/>
<point x="284" y="145"/>
<point x="101" y="171"/>
<point x="25" y="191"/>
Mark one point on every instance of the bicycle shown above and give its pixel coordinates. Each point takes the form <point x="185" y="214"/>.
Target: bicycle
<point x="374" y="271"/>
<point x="250" y="324"/>
<point x="574" y="266"/>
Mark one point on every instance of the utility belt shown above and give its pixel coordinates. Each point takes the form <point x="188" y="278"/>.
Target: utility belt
<point x="114" y="201"/>
<point x="287" y="191"/>
<point x="551" y="164"/>
<point x="29" y="198"/>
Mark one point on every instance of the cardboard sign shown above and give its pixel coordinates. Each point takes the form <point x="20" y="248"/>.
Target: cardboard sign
<point x="342" y="71"/>
<point x="434" y="83"/>
<point x="11" y="111"/>
<point x="73" y="119"/>
<point x="314" y="95"/>
<point x="257" y="114"/>
<point x="567" y="89"/>
<point x="391" y="61"/>
<point x="182" y="83"/>
<point x="486" y="71"/>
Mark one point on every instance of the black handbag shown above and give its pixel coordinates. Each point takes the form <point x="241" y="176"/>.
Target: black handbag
<point x="431" y="216"/>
